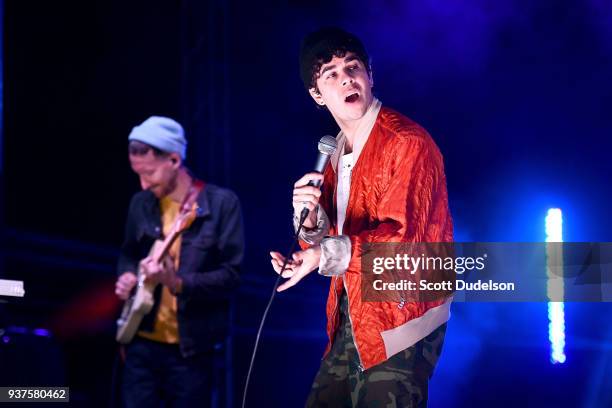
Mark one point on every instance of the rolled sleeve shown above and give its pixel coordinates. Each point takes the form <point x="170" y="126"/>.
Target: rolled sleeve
<point x="335" y="255"/>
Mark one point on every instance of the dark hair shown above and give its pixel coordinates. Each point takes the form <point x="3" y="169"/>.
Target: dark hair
<point x="319" y="47"/>
<point x="138" y="148"/>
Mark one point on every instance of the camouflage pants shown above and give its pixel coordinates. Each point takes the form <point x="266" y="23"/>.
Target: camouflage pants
<point x="400" y="381"/>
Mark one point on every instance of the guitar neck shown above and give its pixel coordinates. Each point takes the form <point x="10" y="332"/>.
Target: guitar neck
<point x="163" y="249"/>
<point x="183" y="221"/>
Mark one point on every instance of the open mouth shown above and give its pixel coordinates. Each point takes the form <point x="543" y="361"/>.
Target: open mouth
<point x="352" y="97"/>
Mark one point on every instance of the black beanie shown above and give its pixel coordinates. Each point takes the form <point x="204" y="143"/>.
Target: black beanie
<point x="319" y="47"/>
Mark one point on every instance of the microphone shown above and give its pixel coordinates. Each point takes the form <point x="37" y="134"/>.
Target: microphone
<point x="327" y="147"/>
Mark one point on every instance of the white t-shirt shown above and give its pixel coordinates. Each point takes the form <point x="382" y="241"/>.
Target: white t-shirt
<point x="345" y="169"/>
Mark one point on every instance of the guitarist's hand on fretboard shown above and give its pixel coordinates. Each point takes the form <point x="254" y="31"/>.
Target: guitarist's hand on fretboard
<point x="162" y="272"/>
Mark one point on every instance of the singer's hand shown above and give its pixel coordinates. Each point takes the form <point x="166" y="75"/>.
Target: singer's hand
<point x="301" y="264"/>
<point x="307" y="196"/>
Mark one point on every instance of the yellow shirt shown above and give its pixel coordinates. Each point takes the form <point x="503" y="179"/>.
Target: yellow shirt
<point x="166" y="325"/>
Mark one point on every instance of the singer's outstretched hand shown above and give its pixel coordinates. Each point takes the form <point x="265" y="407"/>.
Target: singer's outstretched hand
<point x="307" y="196"/>
<point x="301" y="264"/>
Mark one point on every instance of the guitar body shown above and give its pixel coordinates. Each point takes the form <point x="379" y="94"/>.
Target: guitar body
<point x="138" y="305"/>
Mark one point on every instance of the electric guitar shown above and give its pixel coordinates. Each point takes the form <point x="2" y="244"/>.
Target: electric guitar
<point x="141" y="303"/>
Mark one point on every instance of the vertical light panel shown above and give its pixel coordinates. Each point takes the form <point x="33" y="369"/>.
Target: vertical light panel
<point x="556" y="312"/>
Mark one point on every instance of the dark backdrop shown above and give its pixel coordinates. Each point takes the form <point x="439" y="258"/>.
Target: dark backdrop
<point x="517" y="95"/>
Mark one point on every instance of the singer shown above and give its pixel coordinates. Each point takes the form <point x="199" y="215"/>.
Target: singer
<point x="385" y="183"/>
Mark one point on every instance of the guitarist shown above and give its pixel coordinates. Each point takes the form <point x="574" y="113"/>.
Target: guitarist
<point x="170" y="358"/>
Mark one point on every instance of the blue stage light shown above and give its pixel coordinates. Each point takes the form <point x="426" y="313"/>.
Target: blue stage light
<point x="556" y="311"/>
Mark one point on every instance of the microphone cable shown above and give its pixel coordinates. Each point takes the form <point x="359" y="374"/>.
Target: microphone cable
<point x="303" y="216"/>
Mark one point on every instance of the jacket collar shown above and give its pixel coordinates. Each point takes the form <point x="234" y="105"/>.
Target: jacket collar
<point x="361" y="135"/>
<point x="204" y="207"/>
<point x="202" y="200"/>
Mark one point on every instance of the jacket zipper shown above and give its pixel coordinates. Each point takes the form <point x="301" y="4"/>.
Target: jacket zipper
<point x="333" y="318"/>
<point x="335" y="200"/>
<point x="335" y="277"/>
<point x="352" y="327"/>
<point x="335" y="300"/>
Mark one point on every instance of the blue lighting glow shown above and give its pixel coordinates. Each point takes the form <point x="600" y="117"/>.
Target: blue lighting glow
<point x="556" y="312"/>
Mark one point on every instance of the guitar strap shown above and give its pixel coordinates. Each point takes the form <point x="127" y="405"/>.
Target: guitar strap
<point x="192" y="195"/>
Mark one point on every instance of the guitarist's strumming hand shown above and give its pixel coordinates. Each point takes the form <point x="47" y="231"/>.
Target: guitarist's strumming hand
<point x="161" y="272"/>
<point x="125" y="284"/>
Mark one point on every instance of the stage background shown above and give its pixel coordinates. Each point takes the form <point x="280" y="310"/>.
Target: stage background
<point x="516" y="94"/>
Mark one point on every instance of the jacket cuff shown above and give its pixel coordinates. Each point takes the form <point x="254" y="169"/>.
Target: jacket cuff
<point x="335" y="255"/>
<point x="313" y="236"/>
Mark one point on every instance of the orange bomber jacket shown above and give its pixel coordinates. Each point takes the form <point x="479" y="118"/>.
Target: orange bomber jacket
<point x="398" y="194"/>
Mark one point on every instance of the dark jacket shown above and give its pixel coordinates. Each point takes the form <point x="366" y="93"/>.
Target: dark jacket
<point x="211" y="252"/>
